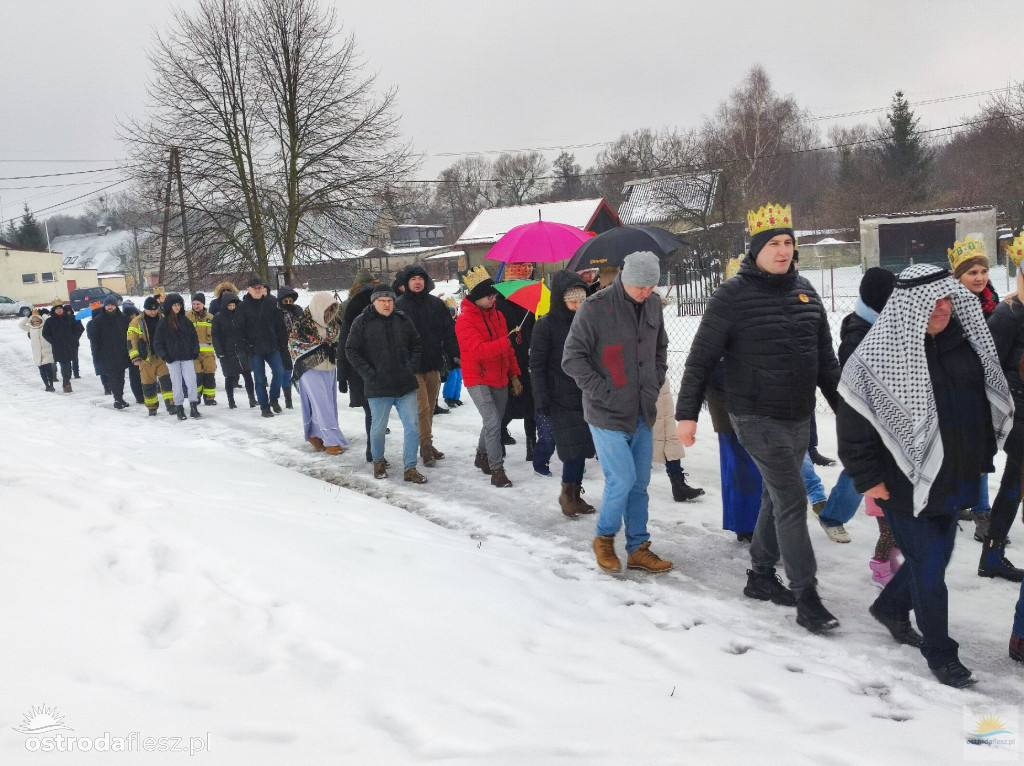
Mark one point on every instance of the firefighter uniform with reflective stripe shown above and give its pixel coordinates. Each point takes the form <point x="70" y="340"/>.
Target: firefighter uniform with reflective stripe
<point x="152" y="369"/>
<point x="206" y="364"/>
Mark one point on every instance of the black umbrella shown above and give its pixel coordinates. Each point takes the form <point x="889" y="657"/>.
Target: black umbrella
<point x="609" y="248"/>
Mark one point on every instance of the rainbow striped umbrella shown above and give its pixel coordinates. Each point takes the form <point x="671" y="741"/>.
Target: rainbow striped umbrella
<point x="531" y="295"/>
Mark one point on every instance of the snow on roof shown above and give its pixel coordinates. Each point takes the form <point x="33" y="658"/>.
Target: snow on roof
<point x="941" y="211"/>
<point x="418" y="250"/>
<point x="491" y="224"/>
<point x="831" y="241"/>
<point x="655" y="200"/>
<point x="449" y="254"/>
<point x="105" y="253"/>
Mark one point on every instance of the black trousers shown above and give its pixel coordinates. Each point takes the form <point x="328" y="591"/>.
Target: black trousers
<point x="1004" y="507"/>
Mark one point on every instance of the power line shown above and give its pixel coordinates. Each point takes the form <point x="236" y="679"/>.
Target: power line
<point x="58" y="205"/>
<point x="55" y="175"/>
<point x="916" y="103"/>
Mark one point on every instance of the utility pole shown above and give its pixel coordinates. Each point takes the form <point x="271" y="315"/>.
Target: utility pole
<point x="184" y="220"/>
<point x="167" y="219"/>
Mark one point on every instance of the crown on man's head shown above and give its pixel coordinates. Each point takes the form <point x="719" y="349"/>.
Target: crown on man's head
<point x="1016" y="250"/>
<point x="962" y="251"/>
<point x="769" y="217"/>
<point x="474" y="277"/>
<point x="732" y="266"/>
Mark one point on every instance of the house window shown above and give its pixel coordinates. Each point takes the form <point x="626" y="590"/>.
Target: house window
<point x="48" y="276"/>
<point x="28" y="279"/>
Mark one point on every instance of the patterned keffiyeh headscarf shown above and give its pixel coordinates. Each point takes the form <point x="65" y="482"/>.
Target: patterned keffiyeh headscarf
<point x="886" y="379"/>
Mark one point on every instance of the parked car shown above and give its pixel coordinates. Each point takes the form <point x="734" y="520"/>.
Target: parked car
<point x="83" y="297"/>
<point x="11" y="308"/>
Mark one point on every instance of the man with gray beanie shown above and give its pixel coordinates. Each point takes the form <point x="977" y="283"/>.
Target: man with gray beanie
<point x="617" y="352"/>
<point x="769" y="326"/>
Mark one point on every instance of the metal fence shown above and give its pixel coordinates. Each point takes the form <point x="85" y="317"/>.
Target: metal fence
<point x="687" y="292"/>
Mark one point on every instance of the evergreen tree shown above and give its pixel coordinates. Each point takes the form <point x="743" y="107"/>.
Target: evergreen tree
<point x="903" y="156"/>
<point x="30" y="233"/>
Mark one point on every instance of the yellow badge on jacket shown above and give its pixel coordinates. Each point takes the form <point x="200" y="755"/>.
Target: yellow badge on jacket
<point x="804" y="298"/>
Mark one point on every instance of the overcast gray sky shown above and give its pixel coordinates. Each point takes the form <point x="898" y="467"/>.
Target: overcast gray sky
<point x="479" y="75"/>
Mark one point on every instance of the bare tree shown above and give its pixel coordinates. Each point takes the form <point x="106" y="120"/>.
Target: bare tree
<point x="283" y="143"/>
<point x="520" y="177"/>
<point x="464" y="188"/>
<point x="642" y="154"/>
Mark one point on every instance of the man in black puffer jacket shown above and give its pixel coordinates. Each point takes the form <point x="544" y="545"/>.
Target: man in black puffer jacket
<point x="770" y="326"/>
<point x="384" y="348"/>
<point x="266" y="335"/>
<point x="436" y="329"/>
<point x="108" y="333"/>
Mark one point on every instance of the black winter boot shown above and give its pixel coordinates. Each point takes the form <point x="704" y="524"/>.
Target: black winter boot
<point x="193" y="410"/>
<point x="995" y="564"/>
<point x="506" y="437"/>
<point x="531" y="442"/>
<point x="288" y="398"/>
<point x="812" y="614"/>
<point x="253" y="402"/>
<point x="180" y="412"/>
<point x="681" y="491"/>
<point x="171" y="409"/>
<point x="229" y="391"/>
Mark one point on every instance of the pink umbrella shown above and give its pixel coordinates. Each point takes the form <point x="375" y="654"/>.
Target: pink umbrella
<point x="539" y="242"/>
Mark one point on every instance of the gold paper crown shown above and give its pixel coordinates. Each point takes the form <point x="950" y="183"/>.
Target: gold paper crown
<point x="1016" y="250"/>
<point x="769" y="217"/>
<point x="474" y="277"/>
<point x="732" y="266"/>
<point x="962" y="251"/>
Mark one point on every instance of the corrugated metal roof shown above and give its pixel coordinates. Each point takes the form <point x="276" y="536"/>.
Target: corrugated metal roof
<point x="492" y="224"/>
<point x="660" y="199"/>
<point x="941" y="211"/>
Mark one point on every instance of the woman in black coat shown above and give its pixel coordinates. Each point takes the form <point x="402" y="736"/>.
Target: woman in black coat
<point x="348" y="379"/>
<point x="233" y="353"/>
<point x="177" y="343"/>
<point x="62" y="332"/>
<point x="557" y="398"/>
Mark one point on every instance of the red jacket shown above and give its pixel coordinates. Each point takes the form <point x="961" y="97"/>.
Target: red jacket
<point x="487" y="355"/>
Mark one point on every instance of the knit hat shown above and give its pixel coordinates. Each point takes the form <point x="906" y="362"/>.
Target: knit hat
<point x="641" y="269"/>
<point x="382" y="291"/>
<point x="110" y="300"/>
<point x="257" y="282"/>
<point x="876" y="287"/>
<point x="574" y="294"/>
<point x="151" y="304"/>
<point x="199" y="297"/>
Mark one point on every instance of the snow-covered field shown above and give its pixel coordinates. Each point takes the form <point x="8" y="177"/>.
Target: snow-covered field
<point x="219" y="582"/>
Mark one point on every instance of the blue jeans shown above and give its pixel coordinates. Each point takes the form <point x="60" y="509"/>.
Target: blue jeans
<point x="259" y="374"/>
<point x="408" y="413"/>
<point x="626" y="461"/>
<point x="843" y="502"/>
<point x="926" y="543"/>
<point x="815" y="489"/>
<point x="1018" y="613"/>
<point x="983" y="504"/>
<point x="572" y="471"/>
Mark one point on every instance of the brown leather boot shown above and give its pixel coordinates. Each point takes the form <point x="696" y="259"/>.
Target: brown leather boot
<point x="604" y="549"/>
<point x="67" y="388"/>
<point x="334" y="450"/>
<point x="499" y="479"/>
<point x="567" y="500"/>
<point x="380" y="470"/>
<point x="438" y="455"/>
<point x="643" y="558"/>
<point x="582" y="506"/>
<point x="317" y="442"/>
<point x="411" y="474"/>
<point x="427" y="456"/>
<point x="482" y="463"/>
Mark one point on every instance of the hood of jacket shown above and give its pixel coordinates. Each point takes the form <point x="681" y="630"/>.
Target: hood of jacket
<point x="286" y="292"/>
<point x="415" y="270"/>
<point x="224" y="287"/>
<point x="560" y="282"/>
<point x="170" y="300"/>
<point x="229" y="296"/>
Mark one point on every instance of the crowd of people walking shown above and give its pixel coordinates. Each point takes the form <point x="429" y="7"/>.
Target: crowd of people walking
<point x="926" y="388"/>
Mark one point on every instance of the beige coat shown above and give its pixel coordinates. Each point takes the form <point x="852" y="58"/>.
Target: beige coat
<point x="666" y="444"/>
<point x="41" y="351"/>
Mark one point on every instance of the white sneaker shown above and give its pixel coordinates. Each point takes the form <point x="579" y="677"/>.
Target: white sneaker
<point x="836" y="534"/>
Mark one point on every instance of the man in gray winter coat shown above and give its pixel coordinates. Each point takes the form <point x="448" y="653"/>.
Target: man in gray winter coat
<point x="617" y="352"/>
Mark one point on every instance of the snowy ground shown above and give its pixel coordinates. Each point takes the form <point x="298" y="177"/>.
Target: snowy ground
<point x="218" y="580"/>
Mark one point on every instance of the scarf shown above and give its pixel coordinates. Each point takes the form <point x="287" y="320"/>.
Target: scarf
<point x="886" y="378"/>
